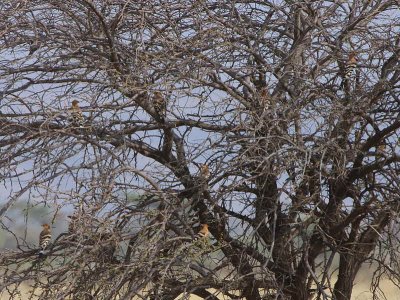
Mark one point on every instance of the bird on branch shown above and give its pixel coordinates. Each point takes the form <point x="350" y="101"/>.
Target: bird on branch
<point x="201" y="239"/>
<point x="204" y="172"/>
<point x="381" y="149"/>
<point x="248" y="87"/>
<point x="160" y="106"/>
<point x="36" y="42"/>
<point x="203" y="232"/>
<point x="72" y="225"/>
<point x="44" y="239"/>
<point x="76" y="114"/>
<point x="349" y="68"/>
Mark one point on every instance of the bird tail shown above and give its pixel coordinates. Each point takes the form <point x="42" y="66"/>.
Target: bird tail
<point x="199" y="236"/>
<point x="342" y="83"/>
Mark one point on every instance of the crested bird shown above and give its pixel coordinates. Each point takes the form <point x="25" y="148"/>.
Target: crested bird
<point x="204" y="172"/>
<point x="349" y="67"/>
<point x="44" y="238"/>
<point x="160" y="106"/>
<point x="203" y="232"/>
<point x="76" y="114"/>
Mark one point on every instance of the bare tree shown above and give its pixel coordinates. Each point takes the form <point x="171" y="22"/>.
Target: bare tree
<point x="302" y="150"/>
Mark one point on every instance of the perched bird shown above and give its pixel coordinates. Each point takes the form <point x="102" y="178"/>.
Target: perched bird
<point x="349" y="67"/>
<point x="203" y="233"/>
<point x="76" y="114"/>
<point x="247" y="87"/>
<point x="72" y="225"/>
<point x="204" y="172"/>
<point x="44" y="238"/>
<point x="264" y="94"/>
<point x="265" y="98"/>
<point x="36" y="42"/>
<point x="381" y="149"/>
<point x="34" y="45"/>
<point x="160" y="106"/>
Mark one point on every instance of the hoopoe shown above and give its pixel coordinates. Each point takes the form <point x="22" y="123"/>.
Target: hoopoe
<point x="44" y="238"/>
<point x="381" y="149"/>
<point x="247" y="92"/>
<point x="34" y="45"/>
<point x="72" y="225"/>
<point x="265" y="98"/>
<point x="349" y="68"/>
<point x="204" y="172"/>
<point x="203" y="233"/>
<point x="76" y="114"/>
<point x="160" y="106"/>
<point x="264" y="94"/>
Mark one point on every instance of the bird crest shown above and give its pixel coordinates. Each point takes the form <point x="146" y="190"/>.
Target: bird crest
<point x="204" y="171"/>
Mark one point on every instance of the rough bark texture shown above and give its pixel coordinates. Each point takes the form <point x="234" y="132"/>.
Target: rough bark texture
<point x="304" y="163"/>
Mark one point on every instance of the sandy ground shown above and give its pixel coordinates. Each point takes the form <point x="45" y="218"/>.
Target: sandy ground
<point x="361" y="289"/>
